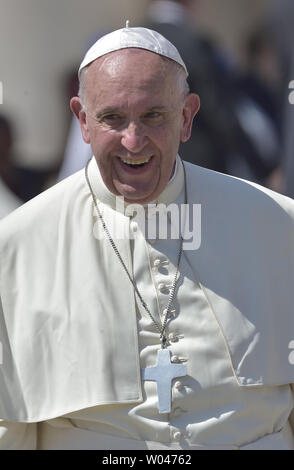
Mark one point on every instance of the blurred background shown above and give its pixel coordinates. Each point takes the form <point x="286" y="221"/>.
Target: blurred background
<point x="241" y="60"/>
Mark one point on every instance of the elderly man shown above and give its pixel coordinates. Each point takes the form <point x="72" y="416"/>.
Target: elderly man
<point x="116" y="339"/>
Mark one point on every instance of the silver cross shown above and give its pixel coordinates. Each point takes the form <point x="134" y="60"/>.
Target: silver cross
<point x="163" y="373"/>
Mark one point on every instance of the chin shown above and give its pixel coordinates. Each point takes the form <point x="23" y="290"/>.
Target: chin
<point x="138" y="200"/>
<point x="138" y="197"/>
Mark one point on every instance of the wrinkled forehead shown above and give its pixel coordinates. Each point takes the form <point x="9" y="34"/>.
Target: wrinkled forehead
<point x="132" y="73"/>
<point x="133" y="60"/>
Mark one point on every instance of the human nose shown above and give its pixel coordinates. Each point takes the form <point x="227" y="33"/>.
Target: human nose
<point x="134" y="138"/>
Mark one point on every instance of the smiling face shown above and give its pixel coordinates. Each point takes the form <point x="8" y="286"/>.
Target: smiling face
<point x="135" y="118"/>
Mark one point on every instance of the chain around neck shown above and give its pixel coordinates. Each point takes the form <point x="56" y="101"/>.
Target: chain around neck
<point x="160" y="327"/>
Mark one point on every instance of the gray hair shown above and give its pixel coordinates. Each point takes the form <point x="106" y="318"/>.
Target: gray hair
<point x="178" y="70"/>
<point x="82" y="86"/>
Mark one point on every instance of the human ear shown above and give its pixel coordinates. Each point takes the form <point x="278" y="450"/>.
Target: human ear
<point x="78" y="110"/>
<point x="191" y="108"/>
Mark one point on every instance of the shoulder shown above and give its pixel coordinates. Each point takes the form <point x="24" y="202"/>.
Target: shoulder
<point x="42" y="213"/>
<point x="218" y="189"/>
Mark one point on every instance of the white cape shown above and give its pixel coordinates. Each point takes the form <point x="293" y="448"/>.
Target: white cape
<point x="70" y="341"/>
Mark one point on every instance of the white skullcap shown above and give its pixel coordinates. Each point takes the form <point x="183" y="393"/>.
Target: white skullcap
<point x="141" y="38"/>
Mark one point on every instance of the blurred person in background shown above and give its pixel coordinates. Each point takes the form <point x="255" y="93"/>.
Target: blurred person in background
<point x="281" y="21"/>
<point x="261" y="81"/>
<point x="19" y="182"/>
<point x="262" y="76"/>
<point x="232" y="132"/>
<point x="9" y="199"/>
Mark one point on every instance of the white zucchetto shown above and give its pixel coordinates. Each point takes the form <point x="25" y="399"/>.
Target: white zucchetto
<point x="124" y="38"/>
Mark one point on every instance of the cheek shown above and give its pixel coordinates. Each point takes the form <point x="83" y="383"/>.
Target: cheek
<point x="102" y="142"/>
<point x="164" y="137"/>
<point x="168" y="141"/>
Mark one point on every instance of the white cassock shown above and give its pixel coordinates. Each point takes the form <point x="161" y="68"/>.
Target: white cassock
<point x="75" y="338"/>
<point x="8" y="201"/>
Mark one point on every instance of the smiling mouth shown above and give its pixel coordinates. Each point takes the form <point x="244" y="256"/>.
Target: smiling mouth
<point x="136" y="163"/>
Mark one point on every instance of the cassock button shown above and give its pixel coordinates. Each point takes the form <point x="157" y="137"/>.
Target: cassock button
<point x="177" y="436"/>
<point x="162" y="287"/>
<point x="172" y="337"/>
<point x="175" y="359"/>
<point x="158" y="263"/>
<point x="172" y="313"/>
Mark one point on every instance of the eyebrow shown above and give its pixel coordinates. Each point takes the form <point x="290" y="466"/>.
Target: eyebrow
<point x="109" y="109"/>
<point x="113" y="109"/>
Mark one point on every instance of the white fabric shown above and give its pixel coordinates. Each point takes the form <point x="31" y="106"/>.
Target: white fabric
<point x="237" y="389"/>
<point x="200" y="339"/>
<point x="51" y="437"/>
<point x="8" y="201"/>
<point x="141" y="38"/>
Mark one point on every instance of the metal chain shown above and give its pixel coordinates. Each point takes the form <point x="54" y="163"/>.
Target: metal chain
<point x="160" y="327"/>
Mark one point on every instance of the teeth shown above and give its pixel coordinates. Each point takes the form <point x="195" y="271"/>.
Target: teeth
<point x="129" y="161"/>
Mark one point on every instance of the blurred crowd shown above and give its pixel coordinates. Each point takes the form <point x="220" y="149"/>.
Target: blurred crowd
<point x="244" y="126"/>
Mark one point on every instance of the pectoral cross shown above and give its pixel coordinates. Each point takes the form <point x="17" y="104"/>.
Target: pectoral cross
<point x="163" y="373"/>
